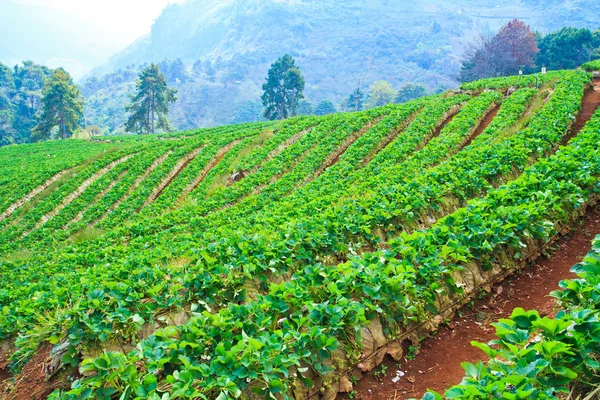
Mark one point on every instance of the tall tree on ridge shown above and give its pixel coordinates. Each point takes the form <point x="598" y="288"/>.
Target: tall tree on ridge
<point x="62" y="106"/>
<point x="282" y="89"/>
<point x="150" y="106"/>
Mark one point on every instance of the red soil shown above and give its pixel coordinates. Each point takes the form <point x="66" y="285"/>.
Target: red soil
<point x="437" y="365"/>
<point x="32" y="383"/>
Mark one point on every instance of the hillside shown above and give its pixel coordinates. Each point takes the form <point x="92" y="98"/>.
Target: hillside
<point x="271" y="259"/>
<point x="334" y="43"/>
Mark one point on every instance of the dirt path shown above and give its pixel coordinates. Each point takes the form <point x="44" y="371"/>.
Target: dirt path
<point x="487" y="120"/>
<point x="591" y="102"/>
<point x="180" y="166"/>
<point x="437" y="365"/>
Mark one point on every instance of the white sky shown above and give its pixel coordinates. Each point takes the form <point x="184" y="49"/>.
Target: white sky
<point x="121" y="20"/>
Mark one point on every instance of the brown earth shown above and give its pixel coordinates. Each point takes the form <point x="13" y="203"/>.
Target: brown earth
<point x="591" y="102"/>
<point x="487" y="120"/>
<point x="437" y="365"/>
<point x="32" y="383"/>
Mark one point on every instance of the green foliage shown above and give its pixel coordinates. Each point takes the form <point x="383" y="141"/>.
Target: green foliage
<point x="380" y="94"/>
<point x="325" y="107"/>
<point x="150" y="105"/>
<point x="543" y="358"/>
<point x="592" y="66"/>
<point x="280" y="270"/>
<point x="62" y="107"/>
<point x="567" y="48"/>
<point x="20" y="101"/>
<point x="283" y="89"/>
<point x="410" y="91"/>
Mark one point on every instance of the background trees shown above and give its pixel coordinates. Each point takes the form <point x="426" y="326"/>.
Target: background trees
<point x="410" y="91"/>
<point x="150" y="105"/>
<point x="62" y="106"/>
<point x="282" y="89"/>
<point x="325" y="107"/>
<point x="568" y="48"/>
<point x="380" y="94"/>
<point x="514" y="48"/>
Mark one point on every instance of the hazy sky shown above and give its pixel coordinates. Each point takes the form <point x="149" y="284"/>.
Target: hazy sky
<point x="121" y="21"/>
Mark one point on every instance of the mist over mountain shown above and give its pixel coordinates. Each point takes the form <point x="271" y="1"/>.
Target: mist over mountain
<point x="50" y="37"/>
<point x="335" y="44"/>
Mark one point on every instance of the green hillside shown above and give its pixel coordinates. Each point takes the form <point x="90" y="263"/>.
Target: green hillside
<point x="271" y="260"/>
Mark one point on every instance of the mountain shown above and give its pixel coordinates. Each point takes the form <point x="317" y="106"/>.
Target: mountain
<point x="335" y="43"/>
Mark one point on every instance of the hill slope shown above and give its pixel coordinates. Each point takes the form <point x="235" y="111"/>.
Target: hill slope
<point x="335" y="43"/>
<point x="274" y="257"/>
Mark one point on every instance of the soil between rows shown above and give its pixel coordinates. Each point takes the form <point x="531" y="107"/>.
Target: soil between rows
<point x="437" y="365"/>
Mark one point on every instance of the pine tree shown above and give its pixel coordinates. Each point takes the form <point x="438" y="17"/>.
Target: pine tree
<point x="150" y="106"/>
<point x="62" y="106"/>
<point x="283" y="89"/>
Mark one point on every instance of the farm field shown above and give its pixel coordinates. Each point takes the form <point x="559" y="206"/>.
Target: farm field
<point x="280" y="260"/>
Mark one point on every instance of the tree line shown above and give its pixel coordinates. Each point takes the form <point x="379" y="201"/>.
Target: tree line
<point x="516" y="48"/>
<point x="38" y="103"/>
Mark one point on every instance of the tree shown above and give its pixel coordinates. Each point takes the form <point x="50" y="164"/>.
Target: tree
<point x="62" y="106"/>
<point x="283" y="89"/>
<point x="355" y="101"/>
<point x="380" y="94"/>
<point x="305" y="107"/>
<point x="514" y="48"/>
<point x="325" y="107"/>
<point x="567" y="48"/>
<point x="150" y="106"/>
<point x="410" y="91"/>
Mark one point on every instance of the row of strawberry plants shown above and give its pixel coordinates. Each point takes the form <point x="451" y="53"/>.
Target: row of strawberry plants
<point x="81" y="252"/>
<point x="410" y="156"/>
<point x="164" y="291"/>
<point x="518" y="81"/>
<point x="280" y="342"/>
<point x="289" y="129"/>
<point x="237" y="139"/>
<point x="50" y="232"/>
<point x="206" y="285"/>
<point x="59" y="276"/>
<point x="329" y="137"/>
<point x="543" y="358"/>
<point x="20" y="223"/>
<point x="89" y="204"/>
<point x="451" y="137"/>
<point x="26" y="167"/>
<point x="592" y="66"/>
<point x="249" y="207"/>
<point x="279" y="174"/>
<point x="137" y="199"/>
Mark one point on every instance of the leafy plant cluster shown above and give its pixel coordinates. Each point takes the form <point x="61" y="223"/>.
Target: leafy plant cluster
<point x="308" y="217"/>
<point x="592" y="65"/>
<point x="288" y="337"/>
<point x="540" y="357"/>
<point x="302" y="250"/>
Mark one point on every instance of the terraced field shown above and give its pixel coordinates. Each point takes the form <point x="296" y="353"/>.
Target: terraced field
<point x="278" y="260"/>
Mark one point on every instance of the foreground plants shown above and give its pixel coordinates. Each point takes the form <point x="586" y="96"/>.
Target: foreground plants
<point x="539" y="357"/>
<point x="290" y="340"/>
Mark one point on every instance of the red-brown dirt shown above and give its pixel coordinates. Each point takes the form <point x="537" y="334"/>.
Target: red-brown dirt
<point x="31" y="383"/>
<point x="487" y="120"/>
<point x="437" y="365"/>
<point x="591" y="102"/>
